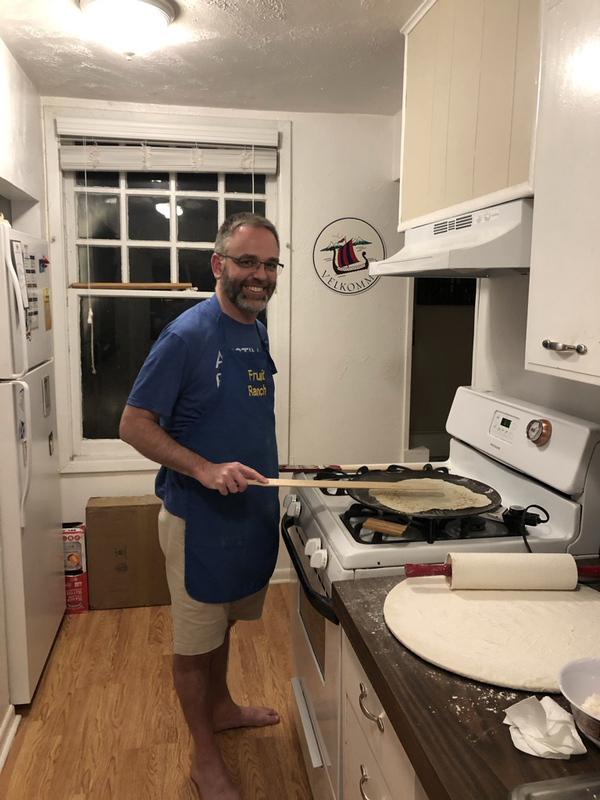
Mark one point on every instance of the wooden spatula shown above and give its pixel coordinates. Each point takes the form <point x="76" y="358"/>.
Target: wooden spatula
<point x="388" y="486"/>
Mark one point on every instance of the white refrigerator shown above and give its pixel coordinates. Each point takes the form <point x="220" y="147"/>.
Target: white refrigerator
<point x="30" y="509"/>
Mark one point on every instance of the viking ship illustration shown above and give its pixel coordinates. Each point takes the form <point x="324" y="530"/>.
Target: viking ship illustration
<point x="344" y="258"/>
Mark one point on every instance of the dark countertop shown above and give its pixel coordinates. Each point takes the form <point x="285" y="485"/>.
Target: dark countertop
<point x="451" y="727"/>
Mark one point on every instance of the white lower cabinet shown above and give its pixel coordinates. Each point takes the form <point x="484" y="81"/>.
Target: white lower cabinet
<point x="374" y="763"/>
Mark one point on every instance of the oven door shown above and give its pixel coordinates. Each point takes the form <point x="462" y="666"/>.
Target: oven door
<point x="316" y="651"/>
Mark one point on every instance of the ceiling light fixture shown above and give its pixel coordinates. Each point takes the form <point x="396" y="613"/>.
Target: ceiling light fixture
<point x="129" y="26"/>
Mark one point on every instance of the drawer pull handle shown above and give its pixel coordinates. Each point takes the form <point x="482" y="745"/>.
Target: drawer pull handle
<point x="363" y="779"/>
<point x="562" y="348"/>
<point x="368" y="714"/>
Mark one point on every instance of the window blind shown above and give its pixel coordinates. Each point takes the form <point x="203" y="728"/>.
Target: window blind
<point x="147" y="158"/>
<point x="117" y="145"/>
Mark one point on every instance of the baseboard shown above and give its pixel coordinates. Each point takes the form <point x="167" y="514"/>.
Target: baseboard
<point x="282" y="575"/>
<point x="9" y="726"/>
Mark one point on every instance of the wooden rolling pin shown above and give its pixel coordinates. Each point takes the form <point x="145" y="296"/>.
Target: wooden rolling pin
<point x="422" y="570"/>
<point x="303" y="483"/>
<point x="517" y="571"/>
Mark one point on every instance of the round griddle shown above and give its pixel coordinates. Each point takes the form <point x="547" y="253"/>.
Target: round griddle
<point x="364" y="495"/>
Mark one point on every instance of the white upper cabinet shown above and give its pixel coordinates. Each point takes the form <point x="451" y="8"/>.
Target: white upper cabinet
<point x="564" y="294"/>
<point x="470" y="95"/>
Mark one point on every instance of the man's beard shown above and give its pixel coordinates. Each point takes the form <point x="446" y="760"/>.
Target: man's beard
<point x="233" y="290"/>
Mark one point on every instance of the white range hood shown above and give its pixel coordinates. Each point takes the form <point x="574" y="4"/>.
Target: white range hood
<point x="481" y="243"/>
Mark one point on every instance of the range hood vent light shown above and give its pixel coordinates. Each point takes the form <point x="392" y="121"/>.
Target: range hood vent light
<point x="465" y="221"/>
<point x="491" y="241"/>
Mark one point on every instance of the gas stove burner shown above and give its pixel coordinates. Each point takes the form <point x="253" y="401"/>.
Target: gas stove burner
<point x="474" y="528"/>
<point x="368" y="526"/>
<point x="359" y="518"/>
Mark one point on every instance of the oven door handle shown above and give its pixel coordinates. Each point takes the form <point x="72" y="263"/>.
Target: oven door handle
<point x="318" y="601"/>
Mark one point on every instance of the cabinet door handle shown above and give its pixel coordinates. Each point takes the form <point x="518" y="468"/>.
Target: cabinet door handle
<point x="559" y="347"/>
<point x="368" y="714"/>
<point x="363" y="779"/>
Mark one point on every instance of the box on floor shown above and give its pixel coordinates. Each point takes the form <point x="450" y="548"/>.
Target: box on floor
<point x="126" y="566"/>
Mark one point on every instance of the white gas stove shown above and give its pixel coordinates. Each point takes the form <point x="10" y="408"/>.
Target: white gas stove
<point x="539" y="461"/>
<point x="494" y="442"/>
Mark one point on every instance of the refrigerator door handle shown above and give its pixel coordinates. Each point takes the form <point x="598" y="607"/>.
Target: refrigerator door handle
<point x="25" y="444"/>
<point x="14" y="281"/>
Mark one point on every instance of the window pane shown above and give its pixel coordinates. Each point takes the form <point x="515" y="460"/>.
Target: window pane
<point x="235" y="206"/>
<point x="125" y="328"/>
<point x="238" y="182"/>
<point x="97" y="179"/>
<point x="149" y="265"/>
<point x="194" y="267"/>
<point x="198" y="221"/>
<point x="104" y="264"/>
<point x="147" y="180"/>
<point x="98" y="216"/>
<point x="148" y="218"/>
<point x="197" y="181"/>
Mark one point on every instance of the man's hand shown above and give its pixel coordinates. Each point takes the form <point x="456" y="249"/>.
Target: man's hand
<point x="227" y="478"/>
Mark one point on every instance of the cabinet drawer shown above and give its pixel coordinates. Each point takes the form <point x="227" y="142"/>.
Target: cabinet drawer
<point x="362" y="775"/>
<point x="360" y="699"/>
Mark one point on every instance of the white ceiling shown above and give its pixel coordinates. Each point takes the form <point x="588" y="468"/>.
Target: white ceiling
<point x="286" y="55"/>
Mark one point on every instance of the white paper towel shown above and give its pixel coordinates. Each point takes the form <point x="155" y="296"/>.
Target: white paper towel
<point x="542" y="728"/>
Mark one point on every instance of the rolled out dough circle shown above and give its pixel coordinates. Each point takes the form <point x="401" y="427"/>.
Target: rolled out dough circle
<point x="515" y="639"/>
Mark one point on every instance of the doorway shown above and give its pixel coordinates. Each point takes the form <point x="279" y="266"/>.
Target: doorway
<point x="442" y="355"/>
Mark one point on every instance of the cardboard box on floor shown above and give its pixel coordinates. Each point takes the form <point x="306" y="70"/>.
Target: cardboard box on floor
<point x="126" y="566"/>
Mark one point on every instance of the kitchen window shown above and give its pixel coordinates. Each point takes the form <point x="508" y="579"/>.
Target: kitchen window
<point x="137" y="227"/>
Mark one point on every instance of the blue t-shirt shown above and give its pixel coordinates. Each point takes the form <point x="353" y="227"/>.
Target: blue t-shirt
<point x="180" y="378"/>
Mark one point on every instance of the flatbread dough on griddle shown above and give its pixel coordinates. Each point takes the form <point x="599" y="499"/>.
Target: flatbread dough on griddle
<point x="418" y="495"/>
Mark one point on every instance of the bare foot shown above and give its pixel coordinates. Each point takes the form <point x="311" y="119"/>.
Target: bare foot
<point x="212" y="780"/>
<point x="234" y="716"/>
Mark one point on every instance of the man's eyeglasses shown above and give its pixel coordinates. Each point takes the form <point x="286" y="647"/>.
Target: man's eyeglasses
<point x="254" y="263"/>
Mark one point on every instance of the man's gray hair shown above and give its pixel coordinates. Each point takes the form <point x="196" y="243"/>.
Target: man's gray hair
<point x="234" y="221"/>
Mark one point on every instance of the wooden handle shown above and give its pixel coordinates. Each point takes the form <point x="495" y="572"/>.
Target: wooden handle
<point x="382" y="526"/>
<point x="131" y="285"/>
<point x="421" y="570"/>
<point x="341" y="467"/>
<point x="389" y="486"/>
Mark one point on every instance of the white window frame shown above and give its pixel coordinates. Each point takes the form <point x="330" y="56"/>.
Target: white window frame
<point x="103" y="447"/>
<point x="88" y="456"/>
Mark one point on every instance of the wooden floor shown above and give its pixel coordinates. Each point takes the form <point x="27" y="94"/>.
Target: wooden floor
<point x="105" y="722"/>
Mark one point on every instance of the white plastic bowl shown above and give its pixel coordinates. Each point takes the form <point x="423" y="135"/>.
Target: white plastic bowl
<point x="577" y="680"/>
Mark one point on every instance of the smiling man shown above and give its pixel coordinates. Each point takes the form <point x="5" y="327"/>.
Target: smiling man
<point x="202" y="407"/>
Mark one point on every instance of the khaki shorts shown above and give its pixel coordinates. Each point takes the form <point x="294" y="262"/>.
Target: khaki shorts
<point x="197" y="627"/>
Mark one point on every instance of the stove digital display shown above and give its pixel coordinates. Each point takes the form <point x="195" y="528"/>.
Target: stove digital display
<point x="504" y="426"/>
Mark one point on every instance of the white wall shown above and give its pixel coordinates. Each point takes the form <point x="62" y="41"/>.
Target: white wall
<point x="499" y="353"/>
<point x="22" y="181"/>
<point x="348" y="352"/>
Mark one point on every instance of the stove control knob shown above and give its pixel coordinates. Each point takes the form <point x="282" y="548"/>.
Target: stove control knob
<point x="311" y="546"/>
<point x="293" y="509"/>
<point x="318" y="560"/>
<point x="289" y="498"/>
<point x="539" y="431"/>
